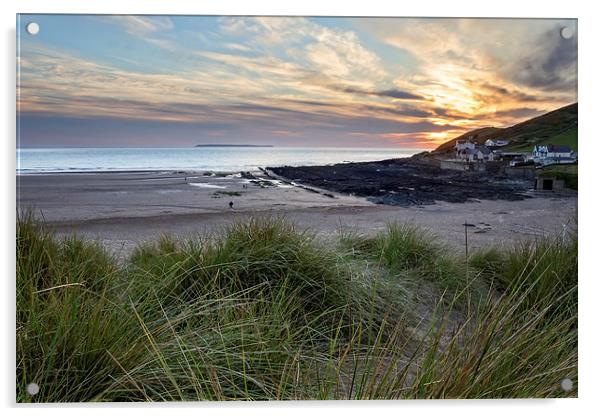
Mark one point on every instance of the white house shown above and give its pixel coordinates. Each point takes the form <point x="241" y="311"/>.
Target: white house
<point x="552" y="154"/>
<point x="465" y="154"/>
<point x="464" y="144"/>
<point x="483" y="153"/>
<point x="496" y="143"/>
<point x="551" y="151"/>
<point x="476" y="154"/>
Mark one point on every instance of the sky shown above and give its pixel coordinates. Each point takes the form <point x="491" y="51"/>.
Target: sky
<point x="178" y="81"/>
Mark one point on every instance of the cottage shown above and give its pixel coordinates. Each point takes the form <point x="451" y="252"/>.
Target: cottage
<point x="496" y="143"/>
<point x="464" y="149"/>
<point x="464" y="144"/>
<point x="466" y="154"/>
<point x="483" y="153"/>
<point x="553" y="154"/>
<point x="551" y="151"/>
<point x="476" y="154"/>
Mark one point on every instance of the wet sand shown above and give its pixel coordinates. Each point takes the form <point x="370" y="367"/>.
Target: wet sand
<point x="122" y="209"/>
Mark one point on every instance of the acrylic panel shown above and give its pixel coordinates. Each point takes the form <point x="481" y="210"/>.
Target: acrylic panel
<point x="295" y="208"/>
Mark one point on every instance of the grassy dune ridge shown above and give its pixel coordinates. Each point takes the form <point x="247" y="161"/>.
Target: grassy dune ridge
<point x="264" y="311"/>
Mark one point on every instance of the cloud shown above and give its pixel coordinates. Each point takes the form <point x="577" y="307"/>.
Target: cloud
<point x="298" y="78"/>
<point x="549" y="65"/>
<point x="333" y="52"/>
<point x="285" y="133"/>
<point x="516" y="113"/>
<point x="237" y="47"/>
<point x="63" y="85"/>
<point x="470" y="67"/>
<point x="400" y="95"/>
<point x="497" y="92"/>
<point x="152" y="30"/>
<point x="390" y="93"/>
<point x="141" y="25"/>
<point x="405" y="112"/>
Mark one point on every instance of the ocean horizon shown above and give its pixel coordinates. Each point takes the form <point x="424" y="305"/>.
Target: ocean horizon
<point x="226" y="159"/>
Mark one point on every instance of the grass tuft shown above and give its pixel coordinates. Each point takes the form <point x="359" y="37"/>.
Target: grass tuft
<point x="264" y="311"/>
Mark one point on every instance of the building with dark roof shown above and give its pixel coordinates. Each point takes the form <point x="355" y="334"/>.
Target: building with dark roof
<point x="551" y="150"/>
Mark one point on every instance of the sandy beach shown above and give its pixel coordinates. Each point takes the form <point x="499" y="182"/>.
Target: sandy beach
<point x="123" y="209"/>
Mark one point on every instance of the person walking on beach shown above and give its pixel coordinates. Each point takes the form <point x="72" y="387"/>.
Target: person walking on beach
<point x="231" y="204"/>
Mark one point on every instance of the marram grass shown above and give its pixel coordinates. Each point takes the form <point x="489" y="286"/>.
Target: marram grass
<point x="263" y="311"/>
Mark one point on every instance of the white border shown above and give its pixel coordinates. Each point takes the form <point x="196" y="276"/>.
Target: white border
<point x="590" y="122"/>
<point x="458" y="8"/>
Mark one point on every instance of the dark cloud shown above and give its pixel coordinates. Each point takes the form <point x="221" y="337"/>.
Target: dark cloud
<point x="502" y="92"/>
<point x="492" y="117"/>
<point x="400" y="111"/>
<point x="38" y="130"/>
<point x="391" y="93"/>
<point x="449" y="113"/>
<point x="550" y="65"/>
<point x="399" y="94"/>
<point x="411" y="112"/>
<point x="451" y="54"/>
<point x="524" y="112"/>
<point x="311" y="103"/>
<point x="137" y="109"/>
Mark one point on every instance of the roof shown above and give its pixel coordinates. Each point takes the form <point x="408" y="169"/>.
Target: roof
<point x="483" y="149"/>
<point x="554" y="148"/>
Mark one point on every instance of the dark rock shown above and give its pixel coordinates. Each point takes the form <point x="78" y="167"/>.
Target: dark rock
<point x="406" y="182"/>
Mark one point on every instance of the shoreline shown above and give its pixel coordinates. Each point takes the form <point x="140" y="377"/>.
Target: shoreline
<point x="122" y="209"/>
<point x="101" y="160"/>
<point x="125" y="171"/>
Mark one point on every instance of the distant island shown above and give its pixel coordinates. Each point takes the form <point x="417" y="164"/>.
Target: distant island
<point x="234" y="145"/>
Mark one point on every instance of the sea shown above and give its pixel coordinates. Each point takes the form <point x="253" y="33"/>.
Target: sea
<point x="216" y="159"/>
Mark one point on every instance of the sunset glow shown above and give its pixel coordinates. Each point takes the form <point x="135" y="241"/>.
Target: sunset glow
<point x="158" y="81"/>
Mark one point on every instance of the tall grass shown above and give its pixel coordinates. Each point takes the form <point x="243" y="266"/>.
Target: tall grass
<point x="69" y="320"/>
<point x="263" y="311"/>
<point x="545" y="269"/>
<point x="410" y="253"/>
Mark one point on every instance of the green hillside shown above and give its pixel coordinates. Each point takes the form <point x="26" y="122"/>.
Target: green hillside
<point x="556" y="127"/>
<point x="568" y="138"/>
